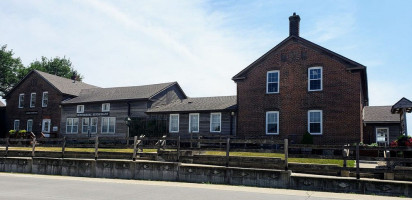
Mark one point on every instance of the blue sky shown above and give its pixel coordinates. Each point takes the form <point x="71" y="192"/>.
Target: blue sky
<point x="202" y="44"/>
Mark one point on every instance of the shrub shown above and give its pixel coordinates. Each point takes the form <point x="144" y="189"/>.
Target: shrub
<point x="402" y="141"/>
<point x="12" y="132"/>
<point x="307" y="138"/>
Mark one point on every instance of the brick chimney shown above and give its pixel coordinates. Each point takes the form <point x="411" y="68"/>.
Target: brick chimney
<point x="294" y="25"/>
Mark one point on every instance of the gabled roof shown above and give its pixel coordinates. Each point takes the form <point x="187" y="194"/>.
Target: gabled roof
<point x="379" y="114"/>
<point x="219" y="103"/>
<point x="63" y="85"/>
<point x="120" y="93"/>
<point x="350" y="64"/>
<point x="403" y="103"/>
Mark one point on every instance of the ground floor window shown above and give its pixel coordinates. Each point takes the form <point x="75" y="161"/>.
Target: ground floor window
<point x="272" y="122"/>
<point x="382" y="135"/>
<point x="315" y="122"/>
<point x="30" y="125"/>
<point x="108" y="124"/>
<point x="194" y="123"/>
<point x="46" y="125"/>
<point x="174" y="123"/>
<point x="72" y="125"/>
<point x="17" y="125"/>
<point x="93" y="125"/>
<point x="215" y="122"/>
<point x="85" y="125"/>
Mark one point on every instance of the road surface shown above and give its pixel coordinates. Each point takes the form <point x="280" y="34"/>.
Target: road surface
<point x="42" y="187"/>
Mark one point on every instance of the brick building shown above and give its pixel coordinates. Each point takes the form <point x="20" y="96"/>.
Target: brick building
<point x="3" y="120"/>
<point x="34" y="103"/>
<point x="298" y="87"/>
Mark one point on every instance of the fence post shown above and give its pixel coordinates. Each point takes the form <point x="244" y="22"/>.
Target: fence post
<point x="134" y="148"/>
<point x="7" y="145"/>
<point x="227" y="151"/>
<point x="357" y="162"/>
<point x="96" y="147"/>
<point x="63" y="146"/>
<point x="178" y="148"/>
<point x="33" y="147"/>
<point x="286" y="149"/>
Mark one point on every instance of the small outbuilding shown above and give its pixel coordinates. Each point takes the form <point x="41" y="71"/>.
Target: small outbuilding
<point x="380" y="125"/>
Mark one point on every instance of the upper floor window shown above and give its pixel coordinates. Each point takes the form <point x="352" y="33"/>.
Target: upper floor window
<point x="21" y="100"/>
<point x="106" y="107"/>
<point x="80" y="108"/>
<point x="174" y="123"/>
<point x="272" y="82"/>
<point x="32" y="100"/>
<point x="315" y="122"/>
<point x="45" y="99"/>
<point x="315" y="78"/>
<point x="215" y="122"/>
<point x="194" y="123"/>
<point x="272" y="122"/>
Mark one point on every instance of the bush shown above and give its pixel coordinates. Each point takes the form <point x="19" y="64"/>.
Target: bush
<point x="307" y="138"/>
<point x="12" y="132"/>
<point x="402" y="141"/>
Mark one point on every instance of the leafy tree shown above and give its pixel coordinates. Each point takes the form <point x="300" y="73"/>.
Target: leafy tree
<point x="57" y="66"/>
<point x="9" y="68"/>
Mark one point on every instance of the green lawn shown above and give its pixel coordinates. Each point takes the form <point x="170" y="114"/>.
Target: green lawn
<point x="350" y="163"/>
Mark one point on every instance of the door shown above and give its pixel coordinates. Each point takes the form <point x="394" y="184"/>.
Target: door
<point x="382" y="135"/>
<point x="45" y="128"/>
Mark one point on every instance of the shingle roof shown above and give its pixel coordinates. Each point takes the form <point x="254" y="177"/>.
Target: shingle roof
<point x="64" y="85"/>
<point x="403" y="103"/>
<point x="119" y="93"/>
<point x="376" y="114"/>
<point x="198" y="104"/>
<point x="2" y="104"/>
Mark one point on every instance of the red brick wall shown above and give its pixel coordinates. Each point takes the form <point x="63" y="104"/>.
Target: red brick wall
<point x="34" y="83"/>
<point x="340" y="99"/>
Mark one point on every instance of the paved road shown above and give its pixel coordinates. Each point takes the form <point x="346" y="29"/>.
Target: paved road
<point x="36" y="187"/>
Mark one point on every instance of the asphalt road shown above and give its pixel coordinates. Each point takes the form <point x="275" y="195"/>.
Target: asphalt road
<point x="33" y="187"/>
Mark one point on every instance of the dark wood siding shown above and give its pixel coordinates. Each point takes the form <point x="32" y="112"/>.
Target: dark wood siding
<point x="370" y="131"/>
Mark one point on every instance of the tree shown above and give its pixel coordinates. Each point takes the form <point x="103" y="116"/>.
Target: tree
<point x="9" y="68"/>
<point x="57" y="66"/>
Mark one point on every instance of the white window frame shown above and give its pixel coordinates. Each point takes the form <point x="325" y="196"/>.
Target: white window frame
<point x="108" y="125"/>
<point x="32" y="100"/>
<point x="72" y="120"/>
<point x="43" y="123"/>
<point x="18" y="126"/>
<point x="170" y="123"/>
<point x="97" y="124"/>
<point x="376" y="134"/>
<point x="45" y="100"/>
<point x="88" y="126"/>
<point x="267" y="122"/>
<point x="220" y="122"/>
<point x="21" y="100"/>
<point x="267" y="81"/>
<point x="190" y="122"/>
<point x="321" y="122"/>
<point x="321" y="78"/>
<point x="108" y="107"/>
<point x="27" y="128"/>
<point x="81" y="110"/>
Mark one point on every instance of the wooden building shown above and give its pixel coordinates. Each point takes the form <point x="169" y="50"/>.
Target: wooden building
<point x="380" y="125"/>
<point x="103" y="111"/>
<point x="204" y="115"/>
<point x="34" y="103"/>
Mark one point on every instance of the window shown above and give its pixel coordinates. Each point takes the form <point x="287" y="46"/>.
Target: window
<point x="21" y="100"/>
<point x="382" y="135"/>
<point x="174" y="123"/>
<point x="272" y="122"/>
<point x="106" y="107"/>
<point x="72" y="125"/>
<point x="215" y="122"/>
<point x="108" y="124"/>
<point x="32" y="100"/>
<point x="80" y="108"/>
<point x="272" y="82"/>
<point x="30" y="125"/>
<point x="194" y="123"/>
<point x="315" y="78"/>
<point x="17" y="125"/>
<point x="93" y="125"/>
<point x="46" y="125"/>
<point x="45" y="99"/>
<point x="85" y="125"/>
<point x="315" y="122"/>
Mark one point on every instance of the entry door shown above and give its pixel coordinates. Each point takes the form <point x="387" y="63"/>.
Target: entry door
<point x="46" y="126"/>
<point x="382" y="135"/>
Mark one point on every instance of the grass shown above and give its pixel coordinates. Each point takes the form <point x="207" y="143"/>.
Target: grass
<point x="350" y="163"/>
